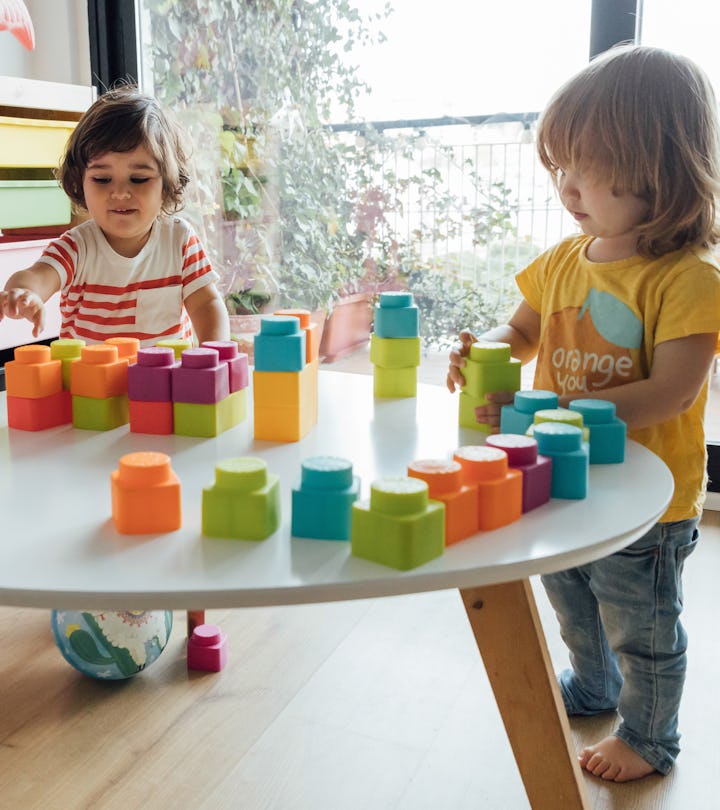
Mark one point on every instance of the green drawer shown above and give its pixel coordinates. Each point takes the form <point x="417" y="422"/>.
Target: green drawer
<point x="29" y="203"/>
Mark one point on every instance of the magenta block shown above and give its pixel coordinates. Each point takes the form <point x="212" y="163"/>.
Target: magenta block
<point x="150" y="378"/>
<point x="207" y="648"/>
<point x="201" y="378"/>
<point x="536" y="470"/>
<point x="237" y="362"/>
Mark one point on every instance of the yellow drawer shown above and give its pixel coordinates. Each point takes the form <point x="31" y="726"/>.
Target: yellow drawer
<point x="30" y="143"/>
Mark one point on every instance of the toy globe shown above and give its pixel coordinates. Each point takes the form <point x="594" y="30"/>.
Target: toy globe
<point x="111" y="644"/>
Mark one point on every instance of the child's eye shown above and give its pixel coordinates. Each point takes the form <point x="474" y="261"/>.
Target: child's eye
<point x="101" y="180"/>
<point x="139" y="180"/>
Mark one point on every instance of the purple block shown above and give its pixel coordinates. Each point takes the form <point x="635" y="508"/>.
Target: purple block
<point x="237" y="362"/>
<point x="207" y="649"/>
<point x="201" y="378"/>
<point x="537" y="481"/>
<point x="150" y="379"/>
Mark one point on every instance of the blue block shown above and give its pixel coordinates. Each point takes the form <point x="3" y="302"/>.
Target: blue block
<point x="570" y="458"/>
<point x="608" y="434"/>
<point x="518" y="417"/>
<point x="280" y="344"/>
<point x="512" y="421"/>
<point x="396" y="298"/>
<point x="322" y="501"/>
<point x="396" y="322"/>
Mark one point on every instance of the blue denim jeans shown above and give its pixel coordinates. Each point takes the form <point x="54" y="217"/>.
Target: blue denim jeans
<point x="620" y="619"/>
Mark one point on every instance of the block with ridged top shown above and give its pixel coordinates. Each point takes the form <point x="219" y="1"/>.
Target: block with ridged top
<point x="396" y="316"/>
<point x="563" y="443"/>
<point x="280" y="344"/>
<point x="608" y="434"/>
<point x="127" y="347"/>
<point x="518" y="417"/>
<point x="398" y="526"/>
<point x="99" y="373"/>
<point x="536" y="470"/>
<point x="322" y="500"/>
<point x="150" y="378"/>
<point x="32" y="373"/>
<point x="243" y="502"/>
<point x="312" y="340"/>
<point x="237" y="362"/>
<point x="201" y="378"/>
<point x="145" y="494"/>
<point x="178" y="345"/>
<point x="563" y="416"/>
<point x="489" y="368"/>
<point x="499" y="487"/>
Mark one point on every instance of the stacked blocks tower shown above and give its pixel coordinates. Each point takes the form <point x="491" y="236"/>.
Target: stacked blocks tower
<point x="150" y="391"/>
<point x="518" y="417"/>
<point x="499" y="487"/>
<point x="200" y="383"/>
<point x="536" y="470"/>
<point x="489" y="368"/>
<point x="145" y="495"/>
<point x="563" y="416"/>
<point x="445" y="484"/>
<point x="285" y="386"/>
<point x="395" y="345"/>
<point x="207" y="649"/>
<point x="67" y="351"/>
<point x="36" y="399"/>
<point x="98" y="384"/>
<point x="564" y="444"/>
<point x="323" y="498"/>
<point x="398" y="526"/>
<point x="312" y="339"/>
<point x="607" y="432"/>
<point x="233" y="410"/>
<point x="243" y="502"/>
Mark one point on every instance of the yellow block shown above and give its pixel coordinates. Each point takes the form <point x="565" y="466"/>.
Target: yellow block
<point x="285" y="403"/>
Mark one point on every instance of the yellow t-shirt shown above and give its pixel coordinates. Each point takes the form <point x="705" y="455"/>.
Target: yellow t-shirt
<point x="599" y="325"/>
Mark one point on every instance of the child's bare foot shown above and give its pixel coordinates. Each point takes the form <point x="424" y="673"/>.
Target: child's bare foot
<point x="614" y="760"/>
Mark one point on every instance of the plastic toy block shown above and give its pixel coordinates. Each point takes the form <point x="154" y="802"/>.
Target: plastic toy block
<point x="394" y="352"/>
<point x="323" y="498"/>
<point x="398" y="526"/>
<point x="536" y="470"/>
<point x="150" y="378"/>
<point x="39" y="413"/>
<point x="66" y="350"/>
<point x="99" y="373"/>
<point x="607" y="433"/>
<point x="518" y="417"/>
<point x="395" y="382"/>
<point x="466" y="413"/>
<point x="570" y="458"/>
<point x="90" y="413"/>
<point x="237" y="362"/>
<point x="396" y="316"/>
<point x="145" y="495"/>
<point x="285" y="403"/>
<point x="444" y="480"/>
<point x="312" y="339"/>
<point x="33" y="373"/>
<point x="207" y="649"/>
<point x="151" y="417"/>
<point x="232" y="410"/>
<point x="243" y="502"/>
<point x="200" y="378"/>
<point x="562" y="415"/>
<point x="176" y="344"/>
<point x="499" y="486"/>
<point x="127" y="347"/>
<point x="490" y="368"/>
<point x="206" y="421"/>
<point x="280" y="344"/>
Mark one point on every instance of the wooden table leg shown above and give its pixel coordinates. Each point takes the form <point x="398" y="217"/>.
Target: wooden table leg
<point x="507" y="629"/>
<point x="194" y="618"/>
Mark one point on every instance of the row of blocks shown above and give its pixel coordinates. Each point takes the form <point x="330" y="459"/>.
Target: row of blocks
<point x="395" y="345"/>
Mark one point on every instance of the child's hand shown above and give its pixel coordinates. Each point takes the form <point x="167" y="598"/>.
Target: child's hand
<point x="21" y="303"/>
<point x="490" y="414"/>
<point x="457" y="360"/>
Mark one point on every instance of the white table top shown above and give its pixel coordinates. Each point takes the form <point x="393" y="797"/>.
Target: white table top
<point x="59" y="547"/>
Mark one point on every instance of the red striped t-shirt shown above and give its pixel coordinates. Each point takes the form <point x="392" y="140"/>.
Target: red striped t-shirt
<point x="103" y="294"/>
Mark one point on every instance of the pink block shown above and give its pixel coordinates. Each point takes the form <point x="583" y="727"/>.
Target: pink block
<point x="537" y="479"/>
<point x="150" y="379"/>
<point x="201" y="378"/>
<point x="521" y="450"/>
<point x="207" y="648"/>
<point x="237" y="362"/>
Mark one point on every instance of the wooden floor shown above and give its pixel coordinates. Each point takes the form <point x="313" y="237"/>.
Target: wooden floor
<point x="371" y="704"/>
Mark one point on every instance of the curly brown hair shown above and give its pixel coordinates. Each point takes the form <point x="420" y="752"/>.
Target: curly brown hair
<point x="121" y="120"/>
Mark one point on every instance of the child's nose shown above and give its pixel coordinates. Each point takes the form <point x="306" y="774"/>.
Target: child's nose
<point x="120" y="190"/>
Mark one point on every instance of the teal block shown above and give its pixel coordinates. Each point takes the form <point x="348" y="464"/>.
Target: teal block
<point x="608" y="434"/>
<point x="466" y="413"/>
<point x="488" y="378"/>
<point x="100" y="414"/>
<point x="396" y="322"/>
<point x="322" y="501"/>
<point x="513" y="421"/>
<point x="392" y="299"/>
<point x="570" y="458"/>
<point x="280" y="344"/>
<point x="394" y="352"/>
<point x="398" y="541"/>
<point x="518" y="417"/>
<point x="395" y="382"/>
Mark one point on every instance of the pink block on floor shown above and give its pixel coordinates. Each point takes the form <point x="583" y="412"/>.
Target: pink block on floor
<point x="207" y="648"/>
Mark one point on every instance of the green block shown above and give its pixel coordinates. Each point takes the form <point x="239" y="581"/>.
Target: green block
<point x="176" y="344"/>
<point x="395" y="382"/>
<point x="194" y="419"/>
<point x="233" y="409"/>
<point x="244" y="501"/>
<point x="394" y="352"/>
<point x="466" y="413"/>
<point x="67" y="351"/>
<point x="100" y="414"/>
<point x="398" y="541"/>
<point x="487" y="378"/>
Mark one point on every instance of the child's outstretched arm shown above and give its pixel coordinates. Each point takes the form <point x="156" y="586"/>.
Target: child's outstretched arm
<point x="522" y="332"/>
<point x="208" y="314"/>
<point x="26" y="292"/>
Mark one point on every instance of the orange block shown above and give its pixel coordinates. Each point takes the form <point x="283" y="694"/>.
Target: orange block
<point x="39" y="413"/>
<point x="33" y="373"/>
<point x="151" y="417"/>
<point x="127" y="347"/>
<point x="499" y="487"/>
<point x="145" y="494"/>
<point x="99" y="373"/>
<point x="444" y="480"/>
<point x="312" y="339"/>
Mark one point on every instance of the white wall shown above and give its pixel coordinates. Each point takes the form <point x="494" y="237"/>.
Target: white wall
<point x="62" y="50"/>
